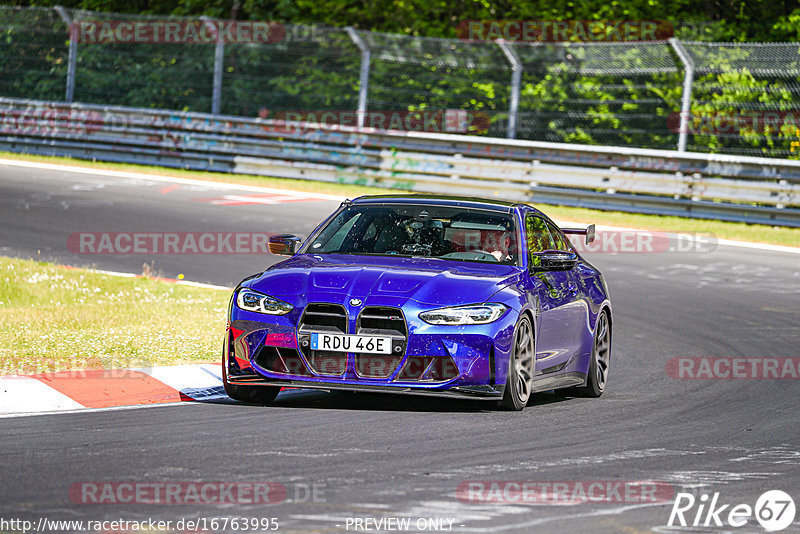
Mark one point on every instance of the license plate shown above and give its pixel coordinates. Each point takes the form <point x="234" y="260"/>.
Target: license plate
<point x="351" y="343"/>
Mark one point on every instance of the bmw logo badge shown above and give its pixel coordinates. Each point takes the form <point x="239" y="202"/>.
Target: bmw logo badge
<point x="355" y="302"/>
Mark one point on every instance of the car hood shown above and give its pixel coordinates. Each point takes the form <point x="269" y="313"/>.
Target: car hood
<point x="427" y="281"/>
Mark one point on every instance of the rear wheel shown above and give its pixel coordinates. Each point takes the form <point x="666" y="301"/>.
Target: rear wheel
<point x="520" y="368"/>
<point x="251" y="394"/>
<point x="597" y="377"/>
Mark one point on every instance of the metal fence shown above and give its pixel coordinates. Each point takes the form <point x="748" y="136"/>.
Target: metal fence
<point x="736" y="188"/>
<point x="738" y="98"/>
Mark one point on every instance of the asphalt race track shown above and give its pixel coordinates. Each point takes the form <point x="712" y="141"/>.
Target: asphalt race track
<point x="373" y="456"/>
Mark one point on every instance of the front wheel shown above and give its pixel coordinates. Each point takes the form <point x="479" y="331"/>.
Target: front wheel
<point x="597" y="377"/>
<point x="520" y="368"/>
<point x="251" y="394"/>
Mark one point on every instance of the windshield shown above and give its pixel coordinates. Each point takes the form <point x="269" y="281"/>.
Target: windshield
<point x="444" y="232"/>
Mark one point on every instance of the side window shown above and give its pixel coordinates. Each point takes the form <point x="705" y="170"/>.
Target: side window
<point x="538" y="236"/>
<point x="560" y="240"/>
<point x="334" y="242"/>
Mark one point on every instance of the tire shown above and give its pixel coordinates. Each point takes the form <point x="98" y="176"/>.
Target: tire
<point x="520" y="367"/>
<point x="250" y="394"/>
<point x="597" y="377"/>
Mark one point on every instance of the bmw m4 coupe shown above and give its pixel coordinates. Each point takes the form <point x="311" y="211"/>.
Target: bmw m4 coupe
<point x="422" y="294"/>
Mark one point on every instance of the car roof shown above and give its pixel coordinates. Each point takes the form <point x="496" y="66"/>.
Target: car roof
<point x="441" y="200"/>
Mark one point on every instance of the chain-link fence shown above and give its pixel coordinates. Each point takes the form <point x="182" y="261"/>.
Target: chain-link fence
<point x="599" y="93"/>
<point x="706" y="97"/>
<point x="745" y="98"/>
<point x="34" y="45"/>
<point x="308" y="70"/>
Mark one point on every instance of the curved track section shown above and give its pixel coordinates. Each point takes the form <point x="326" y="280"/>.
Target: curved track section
<point x="373" y="456"/>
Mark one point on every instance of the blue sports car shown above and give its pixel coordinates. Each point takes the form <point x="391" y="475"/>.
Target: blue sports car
<point x="428" y="295"/>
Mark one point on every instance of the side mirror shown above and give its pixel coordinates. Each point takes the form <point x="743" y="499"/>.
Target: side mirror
<point x="284" y="244"/>
<point x="552" y="260"/>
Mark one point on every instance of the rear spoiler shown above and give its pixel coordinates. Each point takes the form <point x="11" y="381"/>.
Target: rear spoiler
<point x="588" y="231"/>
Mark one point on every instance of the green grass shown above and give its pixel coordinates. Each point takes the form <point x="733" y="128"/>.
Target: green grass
<point x="54" y="318"/>
<point x="723" y="230"/>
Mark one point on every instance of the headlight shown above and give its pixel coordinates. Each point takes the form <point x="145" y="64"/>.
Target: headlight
<point x="475" y="314"/>
<point x="250" y="300"/>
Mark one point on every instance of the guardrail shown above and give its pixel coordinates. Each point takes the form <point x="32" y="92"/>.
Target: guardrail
<point x="734" y="188"/>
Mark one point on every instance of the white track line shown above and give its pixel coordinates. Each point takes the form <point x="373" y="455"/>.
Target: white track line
<point x="91" y="410"/>
<point x="168" y="179"/>
<point x="158" y="279"/>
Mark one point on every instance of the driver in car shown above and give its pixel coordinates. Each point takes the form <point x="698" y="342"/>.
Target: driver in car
<point x="500" y="247"/>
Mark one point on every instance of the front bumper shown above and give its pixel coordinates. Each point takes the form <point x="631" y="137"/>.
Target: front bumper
<point x="445" y="361"/>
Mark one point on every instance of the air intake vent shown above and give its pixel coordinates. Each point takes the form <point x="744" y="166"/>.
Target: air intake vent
<point x="321" y="317"/>
<point x="381" y="321"/>
<point x="324" y="318"/>
<point x="281" y="360"/>
<point x="428" y="369"/>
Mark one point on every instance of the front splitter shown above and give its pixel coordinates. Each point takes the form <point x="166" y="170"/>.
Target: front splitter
<point x="478" y="392"/>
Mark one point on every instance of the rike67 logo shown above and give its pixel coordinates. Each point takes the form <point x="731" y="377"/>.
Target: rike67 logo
<point x="774" y="510"/>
